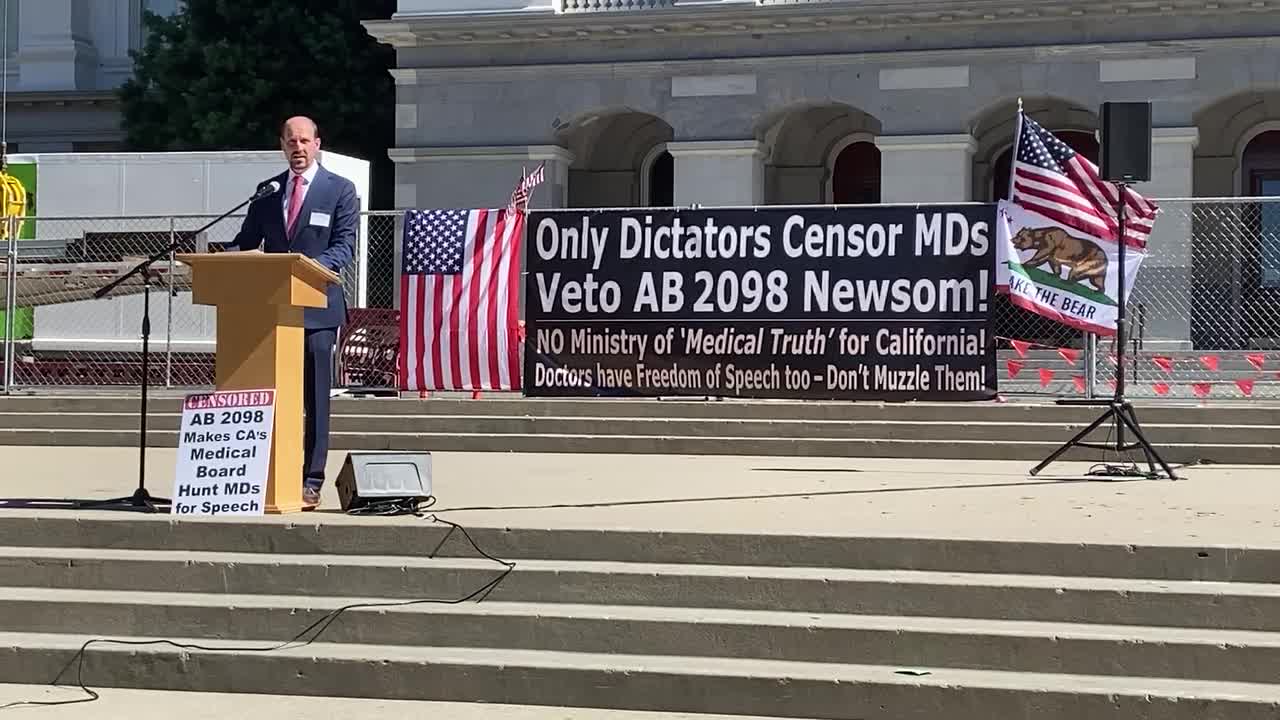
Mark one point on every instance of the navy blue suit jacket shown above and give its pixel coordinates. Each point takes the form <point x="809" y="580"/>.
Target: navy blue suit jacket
<point x="332" y="244"/>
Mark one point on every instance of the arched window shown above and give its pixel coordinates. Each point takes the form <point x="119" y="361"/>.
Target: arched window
<point x="661" y="181"/>
<point x="855" y="174"/>
<point x="1260" y="170"/>
<point x="1082" y="142"/>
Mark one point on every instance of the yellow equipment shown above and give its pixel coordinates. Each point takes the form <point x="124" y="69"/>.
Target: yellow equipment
<point x="13" y="205"/>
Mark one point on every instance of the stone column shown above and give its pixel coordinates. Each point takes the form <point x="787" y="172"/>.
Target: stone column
<point x="796" y="185"/>
<point x="55" y="46"/>
<point x="926" y="168"/>
<point x="1162" y="298"/>
<point x="718" y="173"/>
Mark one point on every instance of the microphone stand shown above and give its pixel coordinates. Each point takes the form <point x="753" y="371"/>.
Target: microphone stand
<point x="141" y="499"/>
<point x="1119" y="409"/>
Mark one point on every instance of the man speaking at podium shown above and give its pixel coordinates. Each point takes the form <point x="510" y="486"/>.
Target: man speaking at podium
<point x="314" y="213"/>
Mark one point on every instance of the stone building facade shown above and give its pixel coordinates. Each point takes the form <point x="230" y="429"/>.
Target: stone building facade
<point x="747" y="102"/>
<point x="66" y="58"/>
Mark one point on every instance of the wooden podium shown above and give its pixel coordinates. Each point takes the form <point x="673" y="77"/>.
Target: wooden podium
<point x="260" y="298"/>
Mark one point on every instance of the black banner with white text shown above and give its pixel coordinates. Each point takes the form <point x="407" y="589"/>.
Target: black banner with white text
<point x="866" y="303"/>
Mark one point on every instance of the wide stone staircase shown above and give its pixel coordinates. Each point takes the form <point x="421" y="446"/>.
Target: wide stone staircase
<point x="1184" y="432"/>
<point x="783" y="626"/>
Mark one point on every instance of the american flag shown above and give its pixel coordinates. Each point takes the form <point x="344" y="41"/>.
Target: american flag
<point x="520" y="196"/>
<point x="459" y="300"/>
<point x="1050" y="178"/>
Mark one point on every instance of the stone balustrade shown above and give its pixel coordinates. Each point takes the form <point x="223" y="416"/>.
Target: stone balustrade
<point x="577" y="6"/>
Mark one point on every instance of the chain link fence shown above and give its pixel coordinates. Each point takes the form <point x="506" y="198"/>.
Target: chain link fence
<point x="59" y="333"/>
<point x="1203" y="321"/>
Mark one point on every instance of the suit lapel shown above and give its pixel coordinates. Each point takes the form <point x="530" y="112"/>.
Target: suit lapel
<point x="275" y="218"/>
<point x="304" y="212"/>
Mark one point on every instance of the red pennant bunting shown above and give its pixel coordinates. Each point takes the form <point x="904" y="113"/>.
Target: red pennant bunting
<point x="1201" y="389"/>
<point x="1210" y="361"/>
<point x="1069" y="355"/>
<point x="1256" y="360"/>
<point x="1161" y="388"/>
<point x="1015" y="367"/>
<point x="1079" y="382"/>
<point x="1020" y="347"/>
<point x="1246" y="386"/>
<point x="1045" y="376"/>
<point x="1164" y="363"/>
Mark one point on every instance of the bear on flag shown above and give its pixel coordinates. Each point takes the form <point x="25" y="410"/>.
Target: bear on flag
<point x="1057" y="237"/>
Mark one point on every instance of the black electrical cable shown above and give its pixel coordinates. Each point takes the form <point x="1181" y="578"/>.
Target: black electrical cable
<point x="1127" y="467"/>
<point x="393" y="507"/>
<point x="319" y="626"/>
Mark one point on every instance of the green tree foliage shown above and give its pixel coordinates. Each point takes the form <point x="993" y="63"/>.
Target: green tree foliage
<point x="223" y="75"/>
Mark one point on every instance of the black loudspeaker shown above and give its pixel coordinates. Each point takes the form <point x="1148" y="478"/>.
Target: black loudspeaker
<point x="377" y="477"/>
<point x="1126" y="141"/>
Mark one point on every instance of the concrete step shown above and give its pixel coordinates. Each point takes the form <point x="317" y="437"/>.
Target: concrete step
<point x="1240" y="606"/>
<point x="1161" y="412"/>
<point x="137" y="704"/>
<point x="987" y="449"/>
<point x="353" y="535"/>
<point x="656" y="683"/>
<point x="1224" y="655"/>
<point x="668" y="427"/>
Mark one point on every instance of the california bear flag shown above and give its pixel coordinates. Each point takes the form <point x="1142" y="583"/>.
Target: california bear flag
<point x="1061" y="272"/>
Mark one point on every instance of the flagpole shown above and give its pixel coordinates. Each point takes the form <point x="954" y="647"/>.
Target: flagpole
<point x="1013" y="157"/>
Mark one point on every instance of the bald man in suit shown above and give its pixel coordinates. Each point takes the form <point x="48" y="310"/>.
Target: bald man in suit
<point x="315" y="213"/>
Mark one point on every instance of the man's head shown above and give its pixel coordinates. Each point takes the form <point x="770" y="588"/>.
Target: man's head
<point x="300" y="142"/>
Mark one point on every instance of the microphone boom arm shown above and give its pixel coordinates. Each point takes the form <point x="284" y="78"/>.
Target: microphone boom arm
<point x="145" y="265"/>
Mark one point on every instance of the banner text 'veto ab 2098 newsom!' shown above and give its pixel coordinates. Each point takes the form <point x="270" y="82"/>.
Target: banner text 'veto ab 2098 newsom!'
<point x="850" y="303"/>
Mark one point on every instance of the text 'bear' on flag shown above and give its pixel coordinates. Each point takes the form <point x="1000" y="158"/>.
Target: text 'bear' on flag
<point x="459" y="300"/>
<point x="1057" y="250"/>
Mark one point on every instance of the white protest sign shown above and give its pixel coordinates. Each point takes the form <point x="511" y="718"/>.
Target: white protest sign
<point x="224" y="446"/>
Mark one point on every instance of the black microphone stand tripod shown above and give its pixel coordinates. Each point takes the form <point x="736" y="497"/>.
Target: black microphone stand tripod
<point x="141" y="499"/>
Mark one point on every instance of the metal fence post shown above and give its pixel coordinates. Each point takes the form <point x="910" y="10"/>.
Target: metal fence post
<point x="1090" y="364"/>
<point x="10" y="302"/>
<point x="168" y="333"/>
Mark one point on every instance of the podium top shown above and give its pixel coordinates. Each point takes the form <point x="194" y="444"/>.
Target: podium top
<point x="254" y="278"/>
<point x="303" y="263"/>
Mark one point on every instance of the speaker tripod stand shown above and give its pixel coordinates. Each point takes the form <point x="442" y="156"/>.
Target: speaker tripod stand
<point x="1119" y="410"/>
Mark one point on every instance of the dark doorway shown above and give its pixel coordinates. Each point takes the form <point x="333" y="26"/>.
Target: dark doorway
<point x="662" y="181"/>
<point x="855" y="179"/>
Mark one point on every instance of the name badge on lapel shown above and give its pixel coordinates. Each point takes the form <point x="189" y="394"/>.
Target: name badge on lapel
<point x="319" y="218"/>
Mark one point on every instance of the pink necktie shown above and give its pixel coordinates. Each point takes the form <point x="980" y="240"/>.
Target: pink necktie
<point x="295" y="203"/>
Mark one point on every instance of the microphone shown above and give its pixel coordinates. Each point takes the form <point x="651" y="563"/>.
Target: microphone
<point x="266" y="189"/>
